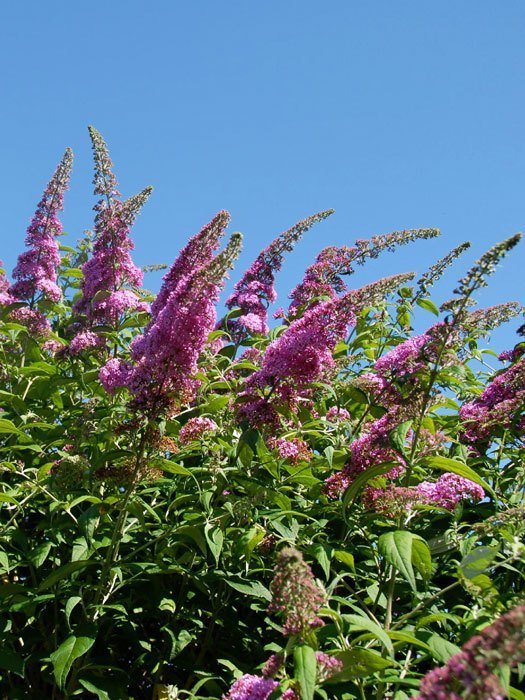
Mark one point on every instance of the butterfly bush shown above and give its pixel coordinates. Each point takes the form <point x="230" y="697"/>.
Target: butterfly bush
<point x="199" y="500"/>
<point x="255" y="290"/>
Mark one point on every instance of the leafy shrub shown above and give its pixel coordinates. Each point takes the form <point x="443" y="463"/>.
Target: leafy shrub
<point x="199" y="507"/>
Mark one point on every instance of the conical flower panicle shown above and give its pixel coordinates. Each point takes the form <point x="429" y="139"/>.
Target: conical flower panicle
<point x="295" y="594"/>
<point x="36" y="270"/>
<point x="500" y="405"/>
<point x="165" y="357"/>
<point x="484" y="320"/>
<point x="476" y="277"/>
<point x="303" y="353"/>
<point x="110" y="272"/>
<point x="435" y="272"/>
<point x="104" y="180"/>
<point x="323" y="277"/>
<point x="470" y="673"/>
<point x="132" y="206"/>
<point x="196" y="253"/>
<point x="255" y="291"/>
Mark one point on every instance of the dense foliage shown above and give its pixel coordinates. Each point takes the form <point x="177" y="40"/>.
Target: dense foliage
<point x="198" y="507"/>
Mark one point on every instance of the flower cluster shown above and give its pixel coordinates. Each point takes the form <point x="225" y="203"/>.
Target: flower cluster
<point x="249" y="687"/>
<point x="295" y="594"/>
<point x="303" y="353"/>
<point x="110" y="271"/>
<point x="449" y="490"/>
<point x="499" y="406"/>
<point x="197" y="252"/>
<point x="165" y="356"/>
<point x="195" y="428"/>
<point x="296" y="450"/>
<point x="470" y="673"/>
<point x="255" y="291"/>
<point x="323" y="278"/>
<point x="36" y="269"/>
<point x="5" y="295"/>
<point x="335" y="414"/>
<point x="327" y="666"/>
<point x="395" y="501"/>
<point x="371" y="448"/>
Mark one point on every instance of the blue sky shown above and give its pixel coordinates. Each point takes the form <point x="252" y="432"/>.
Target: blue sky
<point x="396" y="114"/>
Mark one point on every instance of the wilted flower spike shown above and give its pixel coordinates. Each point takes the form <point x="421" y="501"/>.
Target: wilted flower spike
<point x="471" y="672"/>
<point x="196" y="253"/>
<point x="255" y="291"/>
<point x="36" y="269"/>
<point x="295" y="594"/>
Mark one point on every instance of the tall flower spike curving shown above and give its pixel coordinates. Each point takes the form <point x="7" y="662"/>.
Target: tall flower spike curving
<point x="255" y="291"/>
<point x="35" y="273"/>
<point x="303" y="353"/>
<point x="110" y="274"/>
<point x="196" y="253"/>
<point x="323" y="278"/>
<point x="165" y="357"/>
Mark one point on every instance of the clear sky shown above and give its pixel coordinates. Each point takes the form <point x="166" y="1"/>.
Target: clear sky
<point x="396" y="114"/>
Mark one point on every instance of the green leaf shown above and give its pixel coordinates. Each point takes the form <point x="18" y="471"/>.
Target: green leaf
<point x="172" y="467"/>
<point x="305" y="665"/>
<point x="452" y="465"/>
<point x="73" y="648"/>
<point x="7" y="427"/>
<point x="254" y="588"/>
<point x="39" y="554"/>
<point x="11" y="661"/>
<point x="345" y="558"/>
<point x="397" y="437"/>
<point x="323" y="554"/>
<point x="63" y="572"/>
<point x="428" y="305"/>
<point x="396" y="548"/>
<point x="359" y="482"/>
<point x="421" y="557"/>
<point x="441" y="648"/>
<point x="215" y="539"/>
<point x="359" y="663"/>
<point x="360" y="622"/>
<point x="477" y="561"/>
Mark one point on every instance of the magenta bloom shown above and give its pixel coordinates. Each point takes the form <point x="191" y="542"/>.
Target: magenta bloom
<point x="36" y="269"/>
<point x="499" y="406"/>
<point x="110" y="272"/>
<point x="250" y="687"/>
<point x="470" y="673"/>
<point x="449" y="490"/>
<point x="85" y="340"/>
<point x="165" y="356"/>
<point x="369" y="449"/>
<point x="255" y="291"/>
<point x="303" y="353"/>
<point x="195" y="428"/>
<point x="323" y="279"/>
<point x="196" y="253"/>
<point x="5" y="289"/>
